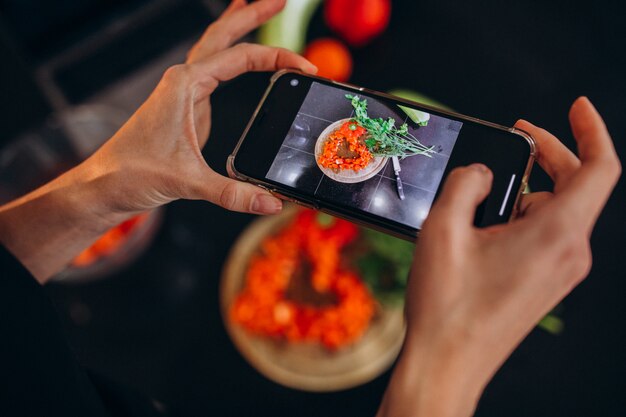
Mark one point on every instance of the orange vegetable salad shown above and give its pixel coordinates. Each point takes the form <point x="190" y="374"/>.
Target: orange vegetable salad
<point x="109" y="242"/>
<point x="263" y="308"/>
<point x="351" y="136"/>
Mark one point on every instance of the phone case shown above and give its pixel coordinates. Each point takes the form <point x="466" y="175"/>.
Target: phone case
<point x="317" y="205"/>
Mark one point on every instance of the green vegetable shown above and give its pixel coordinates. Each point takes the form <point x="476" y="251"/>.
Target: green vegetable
<point x="551" y="324"/>
<point x="384" y="138"/>
<point x="397" y="251"/>
<point x="417" y="116"/>
<point x="288" y="28"/>
<point x="325" y="220"/>
<point x="376" y="273"/>
<point x="385" y="267"/>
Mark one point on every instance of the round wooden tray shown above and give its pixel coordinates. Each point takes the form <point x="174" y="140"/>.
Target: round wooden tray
<point x="306" y="366"/>
<point x="348" y="175"/>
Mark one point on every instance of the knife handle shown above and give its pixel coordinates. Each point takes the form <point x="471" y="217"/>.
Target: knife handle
<point x="399" y="186"/>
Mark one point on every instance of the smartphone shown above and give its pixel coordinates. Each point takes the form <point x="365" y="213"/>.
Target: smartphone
<point x="370" y="157"/>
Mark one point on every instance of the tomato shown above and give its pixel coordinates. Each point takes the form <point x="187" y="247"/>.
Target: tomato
<point x="331" y="57"/>
<point x="357" y="21"/>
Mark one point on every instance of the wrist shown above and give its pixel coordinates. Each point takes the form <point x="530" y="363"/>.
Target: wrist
<point x="48" y="227"/>
<point x="440" y="376"/>
<point x="96" y="194"/>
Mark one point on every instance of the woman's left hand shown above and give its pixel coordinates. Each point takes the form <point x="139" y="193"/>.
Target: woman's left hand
<point x="156" y="156"/>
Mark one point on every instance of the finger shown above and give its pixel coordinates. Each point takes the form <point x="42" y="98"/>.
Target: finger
<point x="234" y="5"/>
<point x="238" y="20"/>
<point x="462" y="192"/>
<point x="587" y="192"/>
<point x="592" y="136"/>
<point x="553" y="156"/>
<point x="237" y="196"/>
<point x="531" y="202"/>
<point x="242" y="58"/>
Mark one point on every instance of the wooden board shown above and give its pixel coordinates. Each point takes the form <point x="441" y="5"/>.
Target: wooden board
<point x="308" y="367"/>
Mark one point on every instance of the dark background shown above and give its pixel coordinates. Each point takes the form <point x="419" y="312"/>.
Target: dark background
<point x="156" y="325"/>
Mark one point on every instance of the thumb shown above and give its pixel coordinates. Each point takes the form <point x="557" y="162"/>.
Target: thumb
<point x="462" y="192"/>
<point x="238" y="196"/>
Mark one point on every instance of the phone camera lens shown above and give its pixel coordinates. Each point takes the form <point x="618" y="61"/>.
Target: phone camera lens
<point x="294" y="82"/>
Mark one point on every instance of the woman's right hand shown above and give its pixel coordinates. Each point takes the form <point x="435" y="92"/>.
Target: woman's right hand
<point x="474" y="294"/>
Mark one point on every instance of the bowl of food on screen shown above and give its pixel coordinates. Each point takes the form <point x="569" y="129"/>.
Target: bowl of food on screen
<point x="355" y="149"/>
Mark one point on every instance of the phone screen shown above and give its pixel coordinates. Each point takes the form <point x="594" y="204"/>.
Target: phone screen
<point x="373" y="158"/>
<point x="325" y="153"/>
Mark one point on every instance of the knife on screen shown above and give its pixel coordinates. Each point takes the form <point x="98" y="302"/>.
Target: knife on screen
<point x="397" y="169"/>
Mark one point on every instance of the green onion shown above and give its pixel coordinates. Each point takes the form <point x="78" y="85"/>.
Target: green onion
<point x="384" y="138"/>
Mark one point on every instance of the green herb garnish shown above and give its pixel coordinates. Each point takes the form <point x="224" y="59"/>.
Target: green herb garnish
<point x="551" y="324"/>
<point x="384" y="138"/>
<point x="385" y="266"/>
<point x="325" y="220"/>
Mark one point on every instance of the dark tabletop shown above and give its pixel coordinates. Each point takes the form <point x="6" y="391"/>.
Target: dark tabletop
<point x="156" y="324"/>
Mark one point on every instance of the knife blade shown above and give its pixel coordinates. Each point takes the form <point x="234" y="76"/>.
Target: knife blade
<point x="397" y="169"/>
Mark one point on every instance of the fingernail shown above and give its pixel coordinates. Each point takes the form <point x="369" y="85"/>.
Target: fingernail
<point x="479" y="167"/>
<point x="266" y="204"/>
<point x="310" y="69"/>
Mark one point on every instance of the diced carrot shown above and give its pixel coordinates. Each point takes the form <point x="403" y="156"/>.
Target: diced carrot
<point x="86" y="257"/>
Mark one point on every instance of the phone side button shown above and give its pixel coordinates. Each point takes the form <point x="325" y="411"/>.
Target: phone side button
<point x="307" y="205"/>
<point x="281" y="196"/>
<point x="293" y="200"/>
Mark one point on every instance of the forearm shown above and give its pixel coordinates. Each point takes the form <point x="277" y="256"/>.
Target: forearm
<point x="434" y="379"/>
<point x="48" y="227"/>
